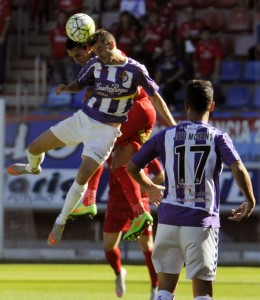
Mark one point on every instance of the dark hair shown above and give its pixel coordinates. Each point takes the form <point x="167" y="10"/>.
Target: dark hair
<point x="100" y="35"/>
<point x="199" y="95"/>
<point x="70" y="44"/>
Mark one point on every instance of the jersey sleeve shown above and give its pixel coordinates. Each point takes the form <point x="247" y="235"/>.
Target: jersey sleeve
<point x="143" y="79"/>
<point x="226" y="149"/>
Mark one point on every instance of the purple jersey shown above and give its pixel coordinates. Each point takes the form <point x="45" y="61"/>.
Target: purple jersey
<point x="192" y="155"/>
<point x="114" y="88"/>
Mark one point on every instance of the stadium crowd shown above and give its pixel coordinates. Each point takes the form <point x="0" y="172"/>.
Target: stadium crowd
<point x="186" y="39"/>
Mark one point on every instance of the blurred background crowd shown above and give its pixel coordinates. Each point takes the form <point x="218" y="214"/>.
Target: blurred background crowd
<point x="175" y="39"/>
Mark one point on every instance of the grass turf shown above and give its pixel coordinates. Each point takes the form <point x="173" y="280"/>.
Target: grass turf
<point x="96" y="282"/>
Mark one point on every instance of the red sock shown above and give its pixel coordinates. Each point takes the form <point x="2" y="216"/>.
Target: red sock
<point x="114" y="259"/>
<point x="91" y="193"/>
<point x="149" y="263"/>
<point x="131" y="190"/>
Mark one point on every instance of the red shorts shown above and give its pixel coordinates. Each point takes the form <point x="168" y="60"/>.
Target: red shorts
<point x="119" y="215"/>
<point x="138" y="127"/>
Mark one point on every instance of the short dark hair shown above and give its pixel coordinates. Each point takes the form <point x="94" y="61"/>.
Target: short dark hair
<point x="100" y="35"/>
<point x="70" y="44"/>
<point x="199" y="95"/>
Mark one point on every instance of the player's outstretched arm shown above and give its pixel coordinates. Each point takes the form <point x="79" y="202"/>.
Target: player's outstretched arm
<point x="245" y="185"/>
<point x="154" y="191"/>
<point x="73" y="87"/>
<point x="162" y="109"/>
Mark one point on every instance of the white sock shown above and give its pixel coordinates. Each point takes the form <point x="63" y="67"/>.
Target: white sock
<point x="74" y="194"/>
<point x="164" y="295"/>
<point x="203" y="298"/>
<point x="34" y="161"/>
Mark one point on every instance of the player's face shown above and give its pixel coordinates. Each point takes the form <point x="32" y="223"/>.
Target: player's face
<point x="80" y="56"/>
<point x="103" y="51"/>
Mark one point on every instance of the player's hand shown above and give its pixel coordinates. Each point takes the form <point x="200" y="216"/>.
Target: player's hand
<point x="241" y="213"/>
<point x="155" y="193"/>
<point x="60" y="89"/>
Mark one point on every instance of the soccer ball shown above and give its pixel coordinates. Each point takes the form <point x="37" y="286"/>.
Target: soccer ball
<point x="79" y="27"/>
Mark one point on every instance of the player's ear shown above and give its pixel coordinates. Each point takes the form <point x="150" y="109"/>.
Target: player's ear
<point x="212" y="106"/>
<point x="111" y="45"/>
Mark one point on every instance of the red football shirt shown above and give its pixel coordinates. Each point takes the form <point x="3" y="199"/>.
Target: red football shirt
<point x="205" y="54"/>
<point x="58" y="40"/>
<point x="5" y="13"/>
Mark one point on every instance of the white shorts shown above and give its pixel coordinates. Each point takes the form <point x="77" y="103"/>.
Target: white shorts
<point x="196" y="247"/>
<point x="98" y="138"/>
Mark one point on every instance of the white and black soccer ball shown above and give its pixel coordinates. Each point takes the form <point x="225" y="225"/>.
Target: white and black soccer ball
<point x="79" y="27"/>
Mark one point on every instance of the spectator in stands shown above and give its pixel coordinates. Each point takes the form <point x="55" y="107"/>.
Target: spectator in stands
<point x="169" y="72"/>
<point x="61" y="67"/>
<point x="166" y="13"/>
<point x="70" y="7"/>
<point x="5" y="19"/>
<point x="207" y="59"/>
<point x="188" y="35"/>
<point x="126" y="32"/>
<point x="152" y="37"/>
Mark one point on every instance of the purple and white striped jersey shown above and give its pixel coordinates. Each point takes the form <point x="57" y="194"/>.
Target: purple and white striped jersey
<point x="193" y="156"/>
<point x="114" y="88"/>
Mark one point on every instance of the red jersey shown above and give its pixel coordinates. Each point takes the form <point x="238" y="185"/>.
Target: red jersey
<point x="205" y="54"/>
<point x="166" y="11"/>
<point x="125" y="39"/>
<point x="58" y="41"/>
<point x="5" y="13"/>
<point x="157" y="32"/>
<point x="67" y="5"/>
<point x="192" y="28"/>
<point x="141" y="119"/>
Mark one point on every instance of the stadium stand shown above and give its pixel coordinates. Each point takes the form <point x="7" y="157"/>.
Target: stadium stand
<point x="77" y="99"/>
<point x="252" y="71"/>
<point x="181" y="3"/>
<point x="231" y="70"/>
<point x="202" y="3"/>
<point x="226" y="3"/>
<point x="215" y="20"/>
<point x="54" y="101"/>
<point x="256" y="98"/>
<point x="238" y="97"/>
<point x="238" y="20"/>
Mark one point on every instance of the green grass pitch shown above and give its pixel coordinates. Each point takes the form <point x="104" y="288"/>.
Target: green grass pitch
<point x="96" y="282"/>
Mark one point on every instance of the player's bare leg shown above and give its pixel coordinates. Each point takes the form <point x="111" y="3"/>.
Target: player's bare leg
<point x="76" y="191"/>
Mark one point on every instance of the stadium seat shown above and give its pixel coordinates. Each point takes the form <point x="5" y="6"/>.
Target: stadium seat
<point x="215" y="20"/>
<point x="238" y="20"/>
<point x="252" y="71"/>
<point x="77" y="99"/>
<point x="226" y="3"/>
<point x="202" y="3"/>
<point x="181" y="3"/>
<point x="238" y="97"/>
<point x="256" y="98"/>
<point x="230" y="70"/>
<point x="54" y="101"/>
